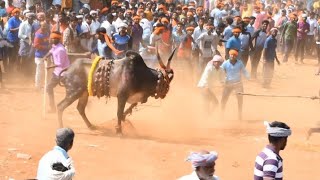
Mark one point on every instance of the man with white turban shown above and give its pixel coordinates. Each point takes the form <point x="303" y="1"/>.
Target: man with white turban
<point x="212" y="74"/>
<point x="203" y="163"/>
<point x="269" y="164"/>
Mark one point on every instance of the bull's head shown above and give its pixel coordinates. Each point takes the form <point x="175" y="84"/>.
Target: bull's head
<point x="168" y="72"/>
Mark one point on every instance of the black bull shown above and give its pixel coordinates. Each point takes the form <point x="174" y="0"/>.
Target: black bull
<point x="128" y="79"/>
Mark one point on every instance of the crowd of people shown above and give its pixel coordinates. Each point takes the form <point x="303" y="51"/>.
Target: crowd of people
<point x="199" y="30"/>
<point x="215" y="40"/>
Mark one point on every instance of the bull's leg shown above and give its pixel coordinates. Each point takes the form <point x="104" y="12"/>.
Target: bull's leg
<point x="67" y="101"/>
<point x="82" y="103"/>
<point x="129" y="110"/>
<point x="313" y="130"/>
<point x="122" y="99"/>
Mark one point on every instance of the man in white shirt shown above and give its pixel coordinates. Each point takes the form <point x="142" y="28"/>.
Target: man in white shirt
<point x="203" y="163"/>
<point x="56" y="164"/>
<point x="210" y="76"/>
<point x="310" y="46"/>
<point x="24" y="34"/>
<point x="107" y="24"/>
<point x="120" y="19"/>
<point x="208" y="43"/>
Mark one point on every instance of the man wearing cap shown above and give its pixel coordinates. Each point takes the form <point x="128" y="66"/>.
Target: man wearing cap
<point x="13" y="29"/>
<point x="211" y="74"/>
<point x="269" y="163"/>
<point x="234" y="70"/>
<point x="234" y="42"/>
<point x="203" y="163"/>
<point x="136" y="34"/>
<point x="25" y="34"/>
<point x="303" y="29"/>
<point x="57" y="164"/>
<point x="60" y="62"/>
<point x="122" y="41"/>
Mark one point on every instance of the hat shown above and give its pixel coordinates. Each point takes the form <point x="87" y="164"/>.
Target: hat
<point x="122" y="25"/>
<point x="304" y="16"/>
<point x="190" y="28"/>
<point x="93" y="12"/>
<point x="55" y="35"/>
<point x="202" y="159"/>
<point x="85" y="1"/>
<point x="105" y="9"/>
<point x="79" y="16"/>
<point x="217" y="58"/>
<point x="86" y="6"/>
<point x="15" y="10"/>
<point x="30" y="14"/>
<point x="25" y="12"/>
<point x="233" y="52"/>
<point x="273" y="29"/>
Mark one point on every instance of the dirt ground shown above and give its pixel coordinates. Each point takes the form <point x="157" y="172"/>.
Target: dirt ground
<point x="166" y="131"/>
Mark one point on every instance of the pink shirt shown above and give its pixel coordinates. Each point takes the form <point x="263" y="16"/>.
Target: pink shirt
<point x="60" y="58"/>
<point x="259" y="18"/>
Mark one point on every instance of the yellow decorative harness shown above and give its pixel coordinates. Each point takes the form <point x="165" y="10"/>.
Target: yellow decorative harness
<point x="91" y="72"/>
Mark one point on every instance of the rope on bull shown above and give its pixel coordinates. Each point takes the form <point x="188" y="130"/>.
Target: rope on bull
<point x="91" y="72"/>
<point x="278" y="96"/>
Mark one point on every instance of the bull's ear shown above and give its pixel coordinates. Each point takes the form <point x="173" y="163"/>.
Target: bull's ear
<point x="132" y="54"/>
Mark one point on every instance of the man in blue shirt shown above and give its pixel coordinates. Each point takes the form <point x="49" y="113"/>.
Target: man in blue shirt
<point x="259" y="37"/>
<point x="269" y="55"/>
<point x="233" y="69"/>
<point x="13" y="29"/>
<point x="234" y="42"/>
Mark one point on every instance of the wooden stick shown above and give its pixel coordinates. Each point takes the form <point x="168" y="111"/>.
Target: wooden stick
<point x="44" y="105"/>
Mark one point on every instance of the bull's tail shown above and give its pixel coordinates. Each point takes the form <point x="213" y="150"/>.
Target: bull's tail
<point x="61" y="78"/>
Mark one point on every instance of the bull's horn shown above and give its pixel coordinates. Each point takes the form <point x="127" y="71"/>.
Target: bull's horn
<point x="170" y="58"/>
<point x="160" y="60"/>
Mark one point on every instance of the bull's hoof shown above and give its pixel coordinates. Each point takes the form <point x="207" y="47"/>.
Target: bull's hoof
<point x="92" y="127"/>
<point x="118" y="130"/>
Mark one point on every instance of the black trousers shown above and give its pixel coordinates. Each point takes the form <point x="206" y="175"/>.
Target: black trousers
<point x="245" y="57"/>
<point x="300" y="49"/>
<point x="255" y="59"/>
<point x="13" y="55"/>
<point x="54" y="81"/>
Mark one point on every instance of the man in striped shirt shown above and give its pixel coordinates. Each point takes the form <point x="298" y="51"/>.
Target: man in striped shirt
<point x="268" y="164"/>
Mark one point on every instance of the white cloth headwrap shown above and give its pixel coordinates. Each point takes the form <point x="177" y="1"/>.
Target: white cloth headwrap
<point x="277" y="131"/>
<point x="198" y="159"/>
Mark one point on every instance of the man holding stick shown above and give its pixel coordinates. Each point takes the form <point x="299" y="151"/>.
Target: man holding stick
<point x="233" y="69"/>
<point x="60" y="62"/>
